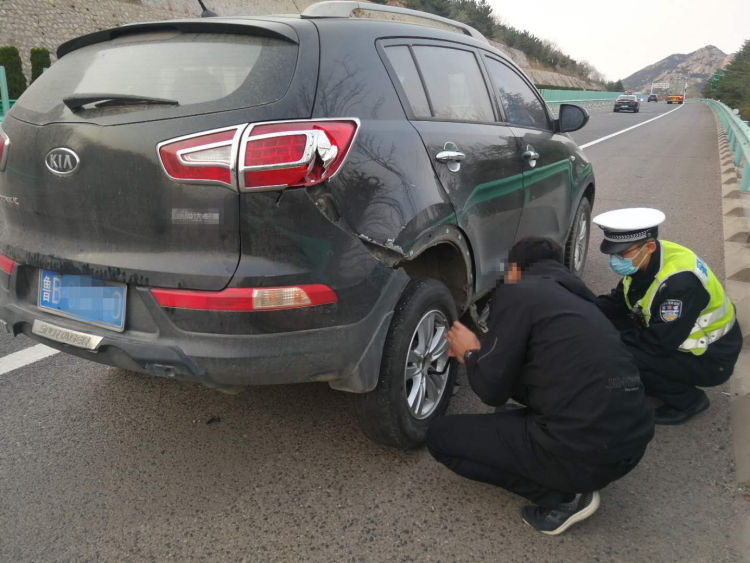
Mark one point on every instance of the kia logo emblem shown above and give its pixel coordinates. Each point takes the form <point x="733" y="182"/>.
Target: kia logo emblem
<point x="61" y="161"/>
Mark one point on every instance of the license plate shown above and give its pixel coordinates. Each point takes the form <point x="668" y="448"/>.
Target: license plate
<point x="83" y="298"/>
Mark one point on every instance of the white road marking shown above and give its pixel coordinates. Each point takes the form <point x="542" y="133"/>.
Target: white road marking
<point x="629" y="128"/>
<point x="25" y="357"/>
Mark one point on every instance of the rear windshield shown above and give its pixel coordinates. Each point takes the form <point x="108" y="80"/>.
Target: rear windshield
<point x="201" y="71"/>
<point x="626" y="98"/>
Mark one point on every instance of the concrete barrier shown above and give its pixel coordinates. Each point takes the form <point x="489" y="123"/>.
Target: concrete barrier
<point x="736" y="210"/>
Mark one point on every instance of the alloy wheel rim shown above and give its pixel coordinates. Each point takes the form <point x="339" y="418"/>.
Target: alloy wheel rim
<point x="580" y="244"/>
<point x="427" y="365"/>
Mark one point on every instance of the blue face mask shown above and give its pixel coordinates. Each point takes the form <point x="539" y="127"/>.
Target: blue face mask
<point x="623" y="266"/>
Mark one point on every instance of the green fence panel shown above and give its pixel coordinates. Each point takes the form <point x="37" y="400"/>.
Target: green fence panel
<point x="4" y="100"/>
<point x="577" y="96"/>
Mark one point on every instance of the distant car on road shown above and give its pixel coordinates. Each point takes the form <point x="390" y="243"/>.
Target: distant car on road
<point x="675" y="99"/>
<point x="627" y="102"/>
<point x="653" y="98"/>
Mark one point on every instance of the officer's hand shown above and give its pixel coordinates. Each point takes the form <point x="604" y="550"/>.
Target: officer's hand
<point x="460" y="339"/>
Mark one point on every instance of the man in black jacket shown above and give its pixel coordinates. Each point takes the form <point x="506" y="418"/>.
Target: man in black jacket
<point x="583" y="420"/>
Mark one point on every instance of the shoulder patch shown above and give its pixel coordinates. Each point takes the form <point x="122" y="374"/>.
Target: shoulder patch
<point x="670" y="310"/>
<point x="701" y="269"/>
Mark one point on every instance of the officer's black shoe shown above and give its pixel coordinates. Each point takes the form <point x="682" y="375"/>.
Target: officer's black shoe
<point x="670" y="415"/>
<point x="553" y="521"/>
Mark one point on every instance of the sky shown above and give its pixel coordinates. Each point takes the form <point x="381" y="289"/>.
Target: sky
<point x="620" y="37"/>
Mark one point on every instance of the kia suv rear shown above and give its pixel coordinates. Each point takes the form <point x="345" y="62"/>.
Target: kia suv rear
<point x="281" y="199"/>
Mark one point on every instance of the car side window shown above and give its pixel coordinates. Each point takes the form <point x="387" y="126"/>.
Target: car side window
<point x="406" y="71"/>
<point x="522" y="107"/>
<point x="454" y="84"/>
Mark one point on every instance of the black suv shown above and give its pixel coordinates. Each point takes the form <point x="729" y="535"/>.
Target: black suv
<point x="281" y="199"/>
<point x="627" y="102"/>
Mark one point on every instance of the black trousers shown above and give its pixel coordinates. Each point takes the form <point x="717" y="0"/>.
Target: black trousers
<point x="498" y="449"/>
<point x="674" y="376"/>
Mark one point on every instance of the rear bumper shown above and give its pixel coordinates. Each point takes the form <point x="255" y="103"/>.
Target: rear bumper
<point x="346" y="356"/>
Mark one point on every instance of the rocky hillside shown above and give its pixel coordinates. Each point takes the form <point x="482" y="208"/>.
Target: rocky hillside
<point x="692" y="70"/>
<point x="542" y="76"/>
<point x="26" y="24"/>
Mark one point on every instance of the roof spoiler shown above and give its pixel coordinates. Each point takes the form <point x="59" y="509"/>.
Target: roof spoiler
<point x="209" y="25"/>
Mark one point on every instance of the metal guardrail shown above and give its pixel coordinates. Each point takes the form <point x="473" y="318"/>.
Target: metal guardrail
<point x="738" y="135"/>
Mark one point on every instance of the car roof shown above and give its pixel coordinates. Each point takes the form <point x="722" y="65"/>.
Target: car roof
<point x="349" y="8"/>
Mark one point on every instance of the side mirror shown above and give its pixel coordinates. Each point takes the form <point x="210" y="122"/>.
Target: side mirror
<point x="571" y="118"/>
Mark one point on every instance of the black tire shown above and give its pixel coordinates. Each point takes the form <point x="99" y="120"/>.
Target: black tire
<point x="614" y="110"/>
<point x="384" y="414"/>
<point x="637" y="110"/>
<point x="582" y="220"/>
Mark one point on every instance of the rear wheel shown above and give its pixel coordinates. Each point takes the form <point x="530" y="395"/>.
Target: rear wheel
<point x="416" y="374"/>
<point x="577" y="246"/>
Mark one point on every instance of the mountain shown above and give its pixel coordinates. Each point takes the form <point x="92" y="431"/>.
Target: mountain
<point x="692" y="70"/>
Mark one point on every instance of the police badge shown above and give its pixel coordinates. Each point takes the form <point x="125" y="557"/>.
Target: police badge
<point x="670" y="310"/>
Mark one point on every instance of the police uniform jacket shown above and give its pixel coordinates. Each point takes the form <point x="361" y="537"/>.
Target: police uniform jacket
<point x="550" y="348"/>
<point x="674" y="310"/>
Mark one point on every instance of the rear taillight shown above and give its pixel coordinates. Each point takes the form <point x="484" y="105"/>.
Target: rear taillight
<point x="207" y="157"/>
<point x="269" y="155"/>
<point x="4" y="144"/>
<point x="246" y="298"/>
<point x="6" y="264"/>
<point x="294" y="153"/>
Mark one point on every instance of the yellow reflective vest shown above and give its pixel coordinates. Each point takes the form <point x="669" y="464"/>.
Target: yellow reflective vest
<point x="713" y="322"/>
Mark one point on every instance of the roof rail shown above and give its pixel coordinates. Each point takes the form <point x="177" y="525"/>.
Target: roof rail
<point x="352" y="8"/>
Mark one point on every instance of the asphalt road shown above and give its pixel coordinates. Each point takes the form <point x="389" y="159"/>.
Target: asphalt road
<point x="101" y="464"/>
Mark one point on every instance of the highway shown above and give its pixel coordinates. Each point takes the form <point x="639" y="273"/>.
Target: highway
<point x="97" y="463"/>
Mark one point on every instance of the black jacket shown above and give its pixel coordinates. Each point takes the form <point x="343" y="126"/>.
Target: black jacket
<point x="550" y="347"/>
<point x="662" y="336"/>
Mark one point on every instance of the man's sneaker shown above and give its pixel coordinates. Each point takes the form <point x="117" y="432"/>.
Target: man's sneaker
<point x="553" y="521"/>
<point x="670" y="415"/>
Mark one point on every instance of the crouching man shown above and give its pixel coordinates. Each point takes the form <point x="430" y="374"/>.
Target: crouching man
<point x="582" y="419"/>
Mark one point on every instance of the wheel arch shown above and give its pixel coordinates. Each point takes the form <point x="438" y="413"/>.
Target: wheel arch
<point x="443" y="253"/>
<point x="589" y="193"/>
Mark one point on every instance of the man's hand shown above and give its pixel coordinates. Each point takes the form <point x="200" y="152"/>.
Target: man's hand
<point x="460" y="339"/>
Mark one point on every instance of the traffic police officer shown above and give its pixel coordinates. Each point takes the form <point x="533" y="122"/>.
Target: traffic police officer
<point x="672" y="313"/>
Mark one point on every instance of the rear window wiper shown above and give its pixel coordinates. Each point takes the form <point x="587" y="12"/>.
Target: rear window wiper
<point x="77" y="101"/>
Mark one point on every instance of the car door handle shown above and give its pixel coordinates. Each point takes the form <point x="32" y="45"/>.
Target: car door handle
<point x="530" y="155"/>
<point x="450" y="156"/>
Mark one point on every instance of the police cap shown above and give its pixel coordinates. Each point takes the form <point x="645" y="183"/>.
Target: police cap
<point x="625" y="227"/>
